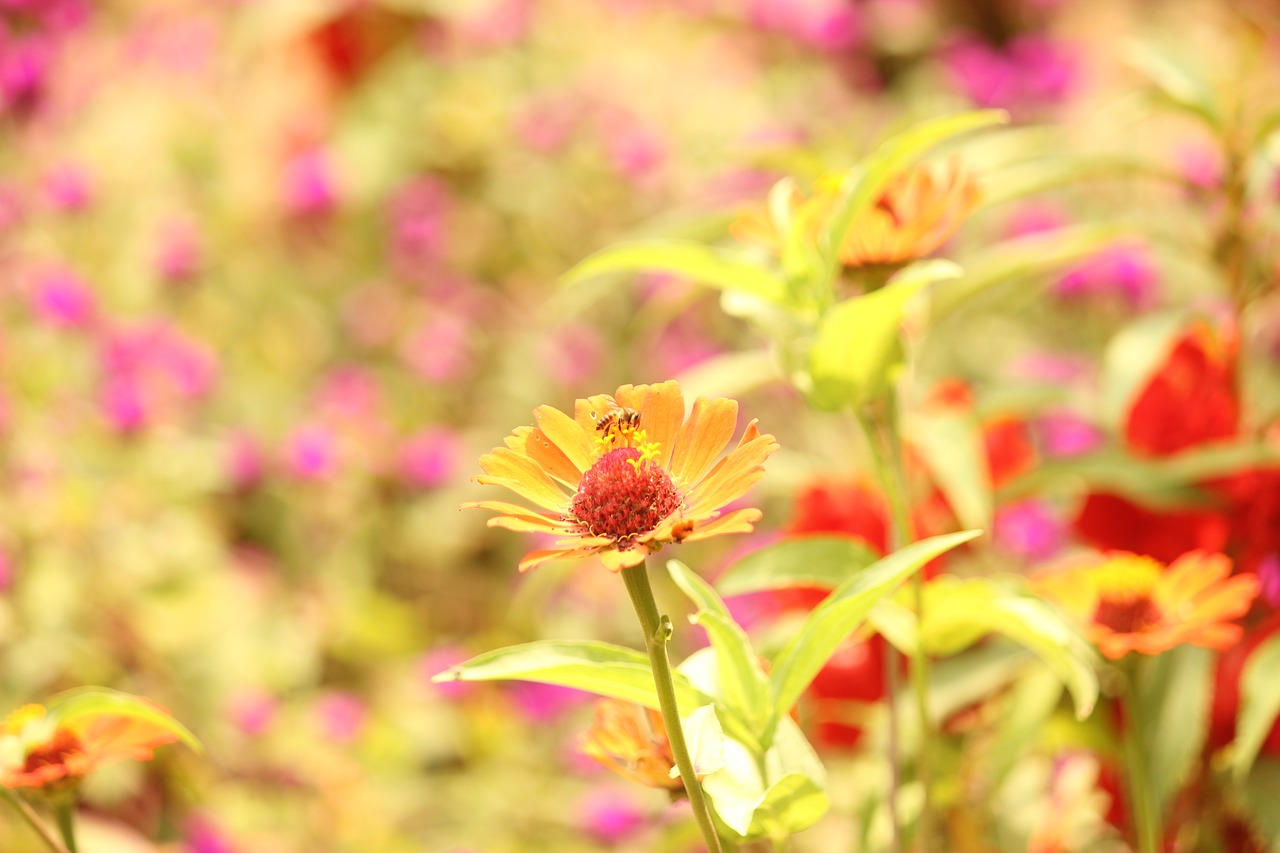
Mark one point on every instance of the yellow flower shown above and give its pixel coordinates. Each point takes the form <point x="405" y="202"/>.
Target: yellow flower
<point x="626" y="475"/>
<point x="1127" y="602"/>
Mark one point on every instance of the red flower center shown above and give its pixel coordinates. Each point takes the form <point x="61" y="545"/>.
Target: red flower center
<point x="1127" y="615"/>
<point x="60" y="747"/>
<point x="622" y="499"/>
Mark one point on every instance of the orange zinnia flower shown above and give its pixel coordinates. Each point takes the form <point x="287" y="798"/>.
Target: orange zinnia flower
<point x="56" y="754"/>
<point x="917" y="212"/>
<point x="1128" y="602"/>
<point x="632" y="742"/>
<point x="626" y="475"/>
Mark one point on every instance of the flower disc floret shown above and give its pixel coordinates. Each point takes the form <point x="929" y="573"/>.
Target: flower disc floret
<point x="621" y="499"/>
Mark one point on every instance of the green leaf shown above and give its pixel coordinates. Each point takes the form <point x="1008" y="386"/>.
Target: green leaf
<point x="697" y="262"/>
<point x="97" y="701"/>
<point x="857" y="347"/>
<point x="1031" y="256"/>
<point x="1176" y="80"/>
<point x="601" y="668"/>
<point x="1176" y="692"/>
<point x="1259" y="704"/>
<point x="951" y="445"/>
<point x="705" y="741"/>
<point x="1064" y="170"/>
<point x="863" y="185"/>
<point x="743" y="686"/>
<point x="843" y="611"/>
<point x="1260" y="795"/>
<point x="821" y="561"/>
<point x="730" y="374"/>
<point x="953" y="614"/>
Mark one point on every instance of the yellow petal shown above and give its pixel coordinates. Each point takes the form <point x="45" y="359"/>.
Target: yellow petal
<point x="518" y="511"/>
<point x="703" y="436"/>
<point x="567" y="435"/>
<point x="523" y="476"/>
<point x="536" y="558"/>
<point x="615" y="560"/>
<point x="661" y="414"/>
<point x="587" y="412"/>
<point x="1188" y="576"/>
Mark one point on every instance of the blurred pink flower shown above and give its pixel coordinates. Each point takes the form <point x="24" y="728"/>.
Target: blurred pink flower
<point x="440" y="349"/>
<point x="348" y="394"/>
<point x="428" y="458"/>
<point x="610" y="815"/>
<point x="246" y="461"/>
<point x="311" y="452"/>
<point x="204" y="836"/>
<point x="1033" y="72"/>
<point x="418" y="219"/>
<point x="829" y="25"/>
<point x="24" y="67"/>
<point x="64" y="299"/>
<point x="1124" y="270"/>
<point x="547" y="123"/>
<point x="539" y="703"/>
<point x="309" y="184"/>
<point x="1034" y="218"/>
<point x="341" y="715"/>
<point x="572" y="353"/>
<point x="180" y="254"/>
<point x="1269" y="578"/>
<point x="495" y="23"/>
<point x="1064" y="434"/>
<point x="6" y="572"/>
<point x="636" y="151"/>
<point x="68" y="188"/>
<point x="150" y="369"/>
<point x="122" y="404"/>
<point x="1201" y="166"/>
<point x="1030" y="529"/>
<point x="253" y="710"/>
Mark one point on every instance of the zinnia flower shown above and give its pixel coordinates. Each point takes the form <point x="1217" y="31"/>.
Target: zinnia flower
<point x="626" y="475"/>
<point x="632" y="742"/>
<point x="52" y="753"/>
<point x="1127" y="602"/>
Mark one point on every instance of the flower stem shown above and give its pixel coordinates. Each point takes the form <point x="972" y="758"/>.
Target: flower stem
<point x="34" y="820"/>
<point x="657" y="630"/>
<point x="65" y="812"/>
<point x="1142" y="801"/>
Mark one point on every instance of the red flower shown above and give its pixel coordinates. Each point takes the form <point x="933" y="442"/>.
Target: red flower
<point x="1192" y="400"/>
<point x="1226" y="688"/>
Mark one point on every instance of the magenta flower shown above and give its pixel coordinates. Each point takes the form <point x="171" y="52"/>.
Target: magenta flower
<point x="1269" y="577"/>
<point x="440" y="349"/>
<point x="1033" y="72"/>
<point x="311" y="452"/>
<point x="1123" y="270"/>
<point x="418" y="216"/>
<point x="1064" y="434"/>
<point x="309" y="185"/>
<point x="1031" y="529"/>
<point x="152" y="369"/>
<point x="246" y="462"/>
<point x="6" y="572"/>
<point x="341" y="715"/>
<point x="429" y="458"/>
<point x="181" y="254"/>
<point x="63" y="299"/>
<point x="68" y="189"/>
<point x="253" y="710"/>
<point x="610" y="816"/>
<point x="204" y="836"/>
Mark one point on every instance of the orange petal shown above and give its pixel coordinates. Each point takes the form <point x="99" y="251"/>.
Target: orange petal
<point x="531" y="442"/>
<point x="517" y="510"/>
<point x="567" y="435"/>
<point x="738" y="521"/>
<point x="1188" y="576"/>
<point x="732" y="479"/>
<point x="523" y="476"/>
<point x="703" y="436"/>
<point x="661" y="414"/>
<point x="1229" y="600"/>
<point x="587" y="412"/>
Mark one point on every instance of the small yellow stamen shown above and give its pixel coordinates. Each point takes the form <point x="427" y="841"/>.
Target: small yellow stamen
<point x="649" y="451"/>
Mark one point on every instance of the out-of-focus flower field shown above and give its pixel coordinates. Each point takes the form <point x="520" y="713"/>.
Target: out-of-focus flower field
<point x="275" y="274"/>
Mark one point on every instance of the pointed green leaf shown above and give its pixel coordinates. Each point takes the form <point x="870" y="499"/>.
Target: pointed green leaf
<point x="820" y="560"/>
<point x="1177" y="81"/>
<point x="857" y="347"/>
<point x="866" y="182"/>
<point x="1035" y="626"/>
<point x="743" y="686"/>
<point x="697" y="262"/>
<point x="98" y="701"/>
<point x="1261" y="792"/>
<point x="601" y="668"/>
<point x="1259" y="703"/>
<point x="841" y="613"/>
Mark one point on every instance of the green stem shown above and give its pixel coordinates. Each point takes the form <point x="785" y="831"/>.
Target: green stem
<point x="33" y="820"/>
<point x="893" y="479"/>
<point x="1142" y="801"/>
<point x="65" y="812"/>
<point x="657" y="630"/>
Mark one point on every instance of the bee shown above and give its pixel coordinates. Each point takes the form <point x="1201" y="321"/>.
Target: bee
<point x="617" y="419"/>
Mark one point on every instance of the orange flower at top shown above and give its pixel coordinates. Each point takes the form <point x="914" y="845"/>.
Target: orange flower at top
<point x="626" y="475"/>
<point x="1128" y="602"/>
<point x="632" y="742"/>
<point x="917" y="212"/>
<point x="56" y="754"/>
